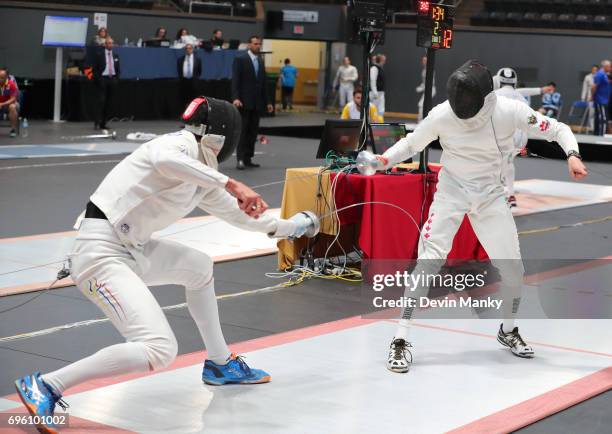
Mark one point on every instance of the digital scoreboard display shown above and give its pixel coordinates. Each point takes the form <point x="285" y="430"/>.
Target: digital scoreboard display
<point x="434" y="25"/>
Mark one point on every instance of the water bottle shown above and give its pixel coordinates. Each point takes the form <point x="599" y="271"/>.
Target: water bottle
<point x="126" y="42"/>
<point x="24" y="127"/>
<point x="139" y="44"/>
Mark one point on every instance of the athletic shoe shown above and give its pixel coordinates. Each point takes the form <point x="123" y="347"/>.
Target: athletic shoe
<point x="512" y="201"/>
<point x="515" y="342"/>
<point x="235" y="371"/>
<point x="400" y="357"/>
<point x="13" y="134"/>
<point x="40" y="399"/>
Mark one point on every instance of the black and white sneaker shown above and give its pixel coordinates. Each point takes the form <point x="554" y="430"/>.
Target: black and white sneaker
<point x="400" y="357"/>
<point x="515" y="342"/>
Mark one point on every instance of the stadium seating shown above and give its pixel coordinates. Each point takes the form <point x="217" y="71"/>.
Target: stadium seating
<point x="560" y="14"/>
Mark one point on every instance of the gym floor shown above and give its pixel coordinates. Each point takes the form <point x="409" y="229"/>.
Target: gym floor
<point x="44" y="195"/>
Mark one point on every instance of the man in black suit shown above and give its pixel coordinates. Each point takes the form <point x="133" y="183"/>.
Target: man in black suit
<point x="249" y="95"/>
<point x="106" y="71"/>
<point x="189" y="69"/>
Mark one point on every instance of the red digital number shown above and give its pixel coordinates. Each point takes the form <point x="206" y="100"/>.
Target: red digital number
<point x="447" y="37"/>
<point x="423" y="7"/>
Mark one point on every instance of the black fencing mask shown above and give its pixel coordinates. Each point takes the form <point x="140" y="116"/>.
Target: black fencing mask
<point x="467" y="88"/>
<point x="209" y="116"/>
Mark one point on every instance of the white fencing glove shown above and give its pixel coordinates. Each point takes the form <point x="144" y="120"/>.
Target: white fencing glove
<point x="368" y="163"/>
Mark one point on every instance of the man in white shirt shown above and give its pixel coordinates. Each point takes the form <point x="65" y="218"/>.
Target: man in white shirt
<point x="116" y="254"/>
<point x="377" y="83"/>
<point x="476" y="129"/>
<point x="587" y="96"/>
<point x="421" y="87"/>
<point x="346" y="76"/>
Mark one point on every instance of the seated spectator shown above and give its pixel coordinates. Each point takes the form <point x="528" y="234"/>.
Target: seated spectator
<point x="217" y="39"/>
<point x="161" y="34"/>
<point x="183" y="38"/>
<point x="353" y="109"/>
<point x="551" y="102"/>
<point x="100" y="37"/>
<point x="9" y="104"/>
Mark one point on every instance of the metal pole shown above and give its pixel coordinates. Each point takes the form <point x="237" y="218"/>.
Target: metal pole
<point x="57" y="98"/>
<point x="429" y="73"/>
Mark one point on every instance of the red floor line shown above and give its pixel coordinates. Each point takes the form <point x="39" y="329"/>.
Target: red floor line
<point x="198" y="357"/>
<point x="542" y="406"/>
<point x="484" y="335"/>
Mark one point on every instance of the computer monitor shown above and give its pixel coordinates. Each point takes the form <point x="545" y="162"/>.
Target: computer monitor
<point x="386" y="135"/>
<point x="65" y="31"/>
<point x="339" y="136"/>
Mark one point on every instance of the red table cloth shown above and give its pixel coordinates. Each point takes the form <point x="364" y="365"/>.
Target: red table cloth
<point x="386" y="232"/>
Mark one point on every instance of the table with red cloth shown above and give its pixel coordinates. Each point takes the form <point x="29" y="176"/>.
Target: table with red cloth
<point x="382" y="231"/>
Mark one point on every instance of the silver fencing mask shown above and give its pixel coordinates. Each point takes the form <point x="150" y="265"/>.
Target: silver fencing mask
<point x="211" y="116"/>
<point x="467" y="88"/>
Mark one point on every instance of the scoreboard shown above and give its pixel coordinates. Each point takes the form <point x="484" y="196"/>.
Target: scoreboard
<point x="434" y="25"/>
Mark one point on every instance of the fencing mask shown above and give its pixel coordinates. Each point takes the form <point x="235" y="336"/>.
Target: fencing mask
<point x="507" y="77"/>
<point x="217" y="121"/>
<point x="467" y="88"/>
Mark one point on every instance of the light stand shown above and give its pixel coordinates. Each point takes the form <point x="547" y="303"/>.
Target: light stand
<point x="429" y="73"/>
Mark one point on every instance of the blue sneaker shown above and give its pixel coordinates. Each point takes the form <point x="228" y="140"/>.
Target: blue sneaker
<point x="40" y="400"/>
<point x="234" y="371"/>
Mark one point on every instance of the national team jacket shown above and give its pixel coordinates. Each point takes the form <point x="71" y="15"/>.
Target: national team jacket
<point x="473" y="149"/>
<point x="164" y="180"/>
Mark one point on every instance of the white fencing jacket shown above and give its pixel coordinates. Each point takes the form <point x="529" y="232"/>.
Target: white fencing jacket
<point x="164" y="180"/>
<point x="473" y="149"/>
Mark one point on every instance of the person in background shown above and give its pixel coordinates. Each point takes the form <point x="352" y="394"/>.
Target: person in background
<point x="100" y="37"/>
<point x="288" y="76"/>
<point x="353" y="109"/>
<point x="551" y="102"/>
<point x="189" y="68"/>
<point x="183" y="38"/>
<point x="421" y="87"/>
<point x="161" y="34"/>
<point x="249" y="95"/>
<point x="377" y="83"/>
<point x="217" y="39"/>
<point x="587" y="96"/>
<point x="601" y="97"/>
<point x="9" y="104"/>
<point x="345" y="80"/>
<point x="106" y="71"/>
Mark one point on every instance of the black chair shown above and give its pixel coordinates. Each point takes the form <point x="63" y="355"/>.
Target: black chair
<point x="543" y="6"/>
<point x="514" y="19"/>
<point x="598" y="7"/>
<point x="579" y="6"/>
<point x="548" y="20"/>
<point x="602" y="22"/>
<point x="561" y="6"/>
<point x="480" y="19"/>
<point x="493" y="5"/>
<point x="497" y="18"/>
<point x="566" y="21"/>
<point x="584" y="21"/>
<point x="531" y="19"/>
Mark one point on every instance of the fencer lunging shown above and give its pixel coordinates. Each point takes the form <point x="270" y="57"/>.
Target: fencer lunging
<point x="116" y="255"/>
<point x="476" y="130"/>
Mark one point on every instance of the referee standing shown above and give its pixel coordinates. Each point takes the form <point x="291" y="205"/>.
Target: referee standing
<point x="601" y="98"/>
<point x="106" y="75"/>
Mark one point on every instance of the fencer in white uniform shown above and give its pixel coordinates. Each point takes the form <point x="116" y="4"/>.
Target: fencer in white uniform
<point x="476" y="129"/>
<point x="117" y="255"/>
<point x="505" y="82"/>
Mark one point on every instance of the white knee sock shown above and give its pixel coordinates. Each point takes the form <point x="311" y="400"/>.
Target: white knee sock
<point x="114" y="360"/>
<point x="403" y="329"/>
<point x="202" y="305"/>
